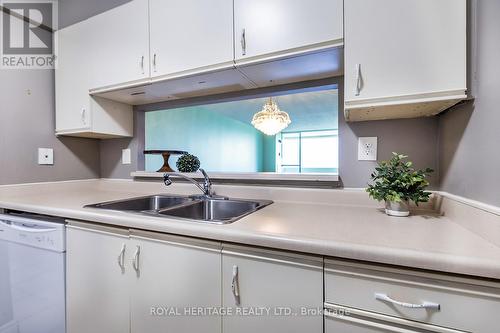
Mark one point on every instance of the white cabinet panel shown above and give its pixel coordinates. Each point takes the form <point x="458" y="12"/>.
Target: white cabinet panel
<point x="400" y="52"/>
<point x="223" y="81"/>
<point x="267" y="27"/>
<point x="314" y="66"/>
<point x="179" y="274"/>
<point x="119" y="45"/>
<point x="72" y="79"/>
<point x="96" y="285"/>
<point x="190" y="34"/>
<point x="275" y="282"/>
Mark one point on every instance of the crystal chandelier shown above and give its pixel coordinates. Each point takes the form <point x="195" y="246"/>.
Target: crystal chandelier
<point x="271" y="120"/>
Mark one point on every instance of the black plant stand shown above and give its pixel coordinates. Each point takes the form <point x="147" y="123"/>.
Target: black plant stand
<point x="166" y="155"/>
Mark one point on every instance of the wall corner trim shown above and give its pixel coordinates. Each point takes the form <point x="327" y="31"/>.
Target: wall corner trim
<point x="470" y="202"/>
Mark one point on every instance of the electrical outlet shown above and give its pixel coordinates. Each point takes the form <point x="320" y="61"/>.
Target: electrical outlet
<point x="45" y="156"/>
<point x="367" y="148"/>
<point x="126" y="156"/>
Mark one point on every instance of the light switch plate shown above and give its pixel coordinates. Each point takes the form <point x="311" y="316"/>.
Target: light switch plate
<point x="126" y="156"/>
<point x="45" y="156"/>
<point x="367" y="148"/>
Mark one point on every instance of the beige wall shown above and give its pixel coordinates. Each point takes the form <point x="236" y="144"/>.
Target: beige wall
<point x="470" y="133"/>
<point x="27" y="118"/>
<point x="27" y="123"/>
<point x="111" y="152"/>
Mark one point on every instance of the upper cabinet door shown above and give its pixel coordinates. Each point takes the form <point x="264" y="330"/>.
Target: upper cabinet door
<point x="190" y="35"/>
<point x="270" y="27"/>
<point x="73" y="111"/>
<point x="404" y="49"/>
<point x="119" y="40"/>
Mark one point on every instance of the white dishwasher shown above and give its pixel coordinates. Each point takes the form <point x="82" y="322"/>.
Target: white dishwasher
<point x="32" y="274"/>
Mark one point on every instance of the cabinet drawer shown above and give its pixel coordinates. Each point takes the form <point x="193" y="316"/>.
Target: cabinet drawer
<point x="449" y="302"/>
<point x="339" y="319"/>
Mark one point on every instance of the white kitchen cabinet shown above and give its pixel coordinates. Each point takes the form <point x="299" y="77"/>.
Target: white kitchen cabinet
<point x="282" y="283"/>
<point x="181" y="274"/>
<point x="147" y="51"/>
<point x="118" y="43"/>
<point x="78" y="113"/>
<point x="270" y="28"/>
<point x="404" y="59"/>
<point x="117" y="279"/>
<point x="96" y="281"/>
<point x="190" y="36"/>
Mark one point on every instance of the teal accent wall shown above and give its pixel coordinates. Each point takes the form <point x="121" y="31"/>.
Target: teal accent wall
<point x="221" y="143"/>
<point x="269" y="153"/>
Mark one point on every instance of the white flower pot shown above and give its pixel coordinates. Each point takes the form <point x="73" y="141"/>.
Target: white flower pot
<point x="400" y="209"/>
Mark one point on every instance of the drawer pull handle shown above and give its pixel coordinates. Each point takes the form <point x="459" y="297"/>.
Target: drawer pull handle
<point x="424" y="305"/>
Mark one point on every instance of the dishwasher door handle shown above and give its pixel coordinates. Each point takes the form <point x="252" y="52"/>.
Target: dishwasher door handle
<point x="25" y="228"/>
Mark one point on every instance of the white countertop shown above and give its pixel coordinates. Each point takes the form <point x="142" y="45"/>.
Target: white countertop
<point x="336" y="223"/>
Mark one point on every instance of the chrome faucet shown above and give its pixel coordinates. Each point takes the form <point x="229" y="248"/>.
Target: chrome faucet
<point x="206" y="188"/>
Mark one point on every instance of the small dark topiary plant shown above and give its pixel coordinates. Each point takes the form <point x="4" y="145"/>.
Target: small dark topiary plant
<point x="188" y="163"/>
<point x="396" y="181"/>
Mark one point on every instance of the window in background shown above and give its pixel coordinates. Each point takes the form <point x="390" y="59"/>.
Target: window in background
<point x="221" y="135"/>
<point x="308" y="152"/>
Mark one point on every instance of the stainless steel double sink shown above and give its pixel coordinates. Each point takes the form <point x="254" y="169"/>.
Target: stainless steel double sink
<point x="217" y="210"/>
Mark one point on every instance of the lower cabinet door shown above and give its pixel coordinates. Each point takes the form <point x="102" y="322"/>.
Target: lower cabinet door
<point x="271" y="292"/>
<point x="96" y="284"/>
<point x="176" y="286"/>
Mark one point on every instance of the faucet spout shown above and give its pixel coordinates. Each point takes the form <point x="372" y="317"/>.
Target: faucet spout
<point x="207" y="184"/>
<point x="206" y="188"/>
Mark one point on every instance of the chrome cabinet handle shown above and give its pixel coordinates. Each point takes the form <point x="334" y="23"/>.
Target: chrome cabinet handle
<point x="121" y="257"/>
<point x="142" y="64"/>
<point x="84" y="116"/>
<point x="423" y="305"/>
<point x="358" y="80"/>
<point x="235" y="286"/>
<point x="154" y="62"/>
<point x="135" y="262"/>
<point x="243" y="42"/>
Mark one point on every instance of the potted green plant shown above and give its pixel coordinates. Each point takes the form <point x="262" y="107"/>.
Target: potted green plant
<point x="188" y="163"/>
<point x="397" y="183"/>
